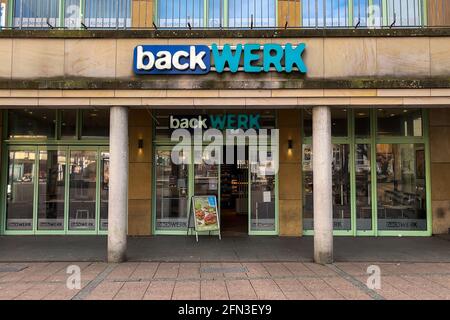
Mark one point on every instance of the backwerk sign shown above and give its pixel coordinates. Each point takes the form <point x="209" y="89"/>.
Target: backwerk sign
<point x="197" y="59"/>
<point x="220" y="122"/>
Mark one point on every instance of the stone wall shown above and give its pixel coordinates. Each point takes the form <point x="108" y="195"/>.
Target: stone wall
<point x="290" y="174"/>
<point x="440" y="169"/>
<point x="325" y="58"/>
<point x="140" y="173"/>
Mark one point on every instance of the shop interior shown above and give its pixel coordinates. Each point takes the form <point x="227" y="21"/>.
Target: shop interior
<point x="234" y="194"/>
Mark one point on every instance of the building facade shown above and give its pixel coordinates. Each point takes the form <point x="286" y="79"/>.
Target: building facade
<point x="85" y="136"/>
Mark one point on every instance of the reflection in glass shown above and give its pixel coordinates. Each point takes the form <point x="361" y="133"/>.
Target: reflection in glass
<point x="362" y="123"/>
<point x="31" y="123"/>
<point x="341" y="187"/>
<point x="241" y="12"/>
<point x="83" y="173"/>
<point x="262" y="179"/>
<point x="363" y="189"/>
<point x="401" y="187"/>
<point x="52" y="177"/>
<point x="95" y="123"/>
<point x="400" y="122"/>
<point x="175" y="13"/>
<point x="308" y="201"/>
<point x="339" y="122"/>
<point x="206" y="179"/>
<point x="20" y="190"/>
<point x="171" y="193"/>
<point x="68" y="124"/>
<point x="104" y="189"/>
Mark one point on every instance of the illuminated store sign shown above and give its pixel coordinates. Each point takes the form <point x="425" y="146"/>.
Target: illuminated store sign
<point x="201" y="59"/>
<point x="220" y="122"/>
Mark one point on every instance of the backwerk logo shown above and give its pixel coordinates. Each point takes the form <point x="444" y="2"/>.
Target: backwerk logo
<point x="220" y="122"/>
<point x="185" y="59"/>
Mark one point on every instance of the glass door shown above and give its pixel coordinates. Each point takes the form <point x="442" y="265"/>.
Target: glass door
<point x="263" y="190"/>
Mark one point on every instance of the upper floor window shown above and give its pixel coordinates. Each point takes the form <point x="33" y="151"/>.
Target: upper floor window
<point x="36" y="14"/>
<point x="2" y="14"/>
<point x="216" y="13"/>
<point x="362" y="13"/>
<point x="222" y="13"/>
<point x="107" y="13"/>
<point x="247" y="13"/>
<point x="76" y="13"/>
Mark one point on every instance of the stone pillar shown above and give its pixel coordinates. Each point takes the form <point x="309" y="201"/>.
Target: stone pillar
<point x="322" y="186"/>
<point x="118" y="184"/>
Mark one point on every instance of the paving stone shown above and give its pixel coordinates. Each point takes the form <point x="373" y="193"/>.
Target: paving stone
<point x="240" y="290"/>
<point x="106" y="290"/>
<point x="213" y="290"/>
<point x="132" y="290"/>
<point x="186" y="290"/>
<point x="159" y="290"/>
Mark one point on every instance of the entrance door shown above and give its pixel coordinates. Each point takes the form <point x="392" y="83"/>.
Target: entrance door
<point x="234" y="199"/>
<point x="246" y="193"/>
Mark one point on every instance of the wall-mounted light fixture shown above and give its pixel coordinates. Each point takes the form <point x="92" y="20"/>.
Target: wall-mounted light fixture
<point x="290" y="144"/>
<point x="140" y="144"/>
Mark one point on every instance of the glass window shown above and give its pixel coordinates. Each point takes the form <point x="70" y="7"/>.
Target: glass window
<point x="241" y="13"/>
<point x="206" y="179"/>
<point x="95" y="123"/>
<point x="362" y="123"/>
<point x="365" y="15"/>
<point x="72" y="13"/>
<point x="332" y="13"/>
<point x="341" y="187"/>
<point x="20" y="190"/>
<point x="178" y="13"/>
<point x="339" y="122"/>
<point x="262" y="179"/>
<point x="52" y="177"/>
<point x="363" y="187"/>
<point x="36" y="14"/>
<point x="3" y="14"/>
<point x="308" y="208"/>
<point x="401" y="194"/>
<point x="83" y="175"/>
<point x="171" y="193"/>
<point x="68" y="124"/>
<point x="31" y="123"/>
<point x="113" y="14"/>
<point x="400" y="122"/>
<point x="404" y="12"/>
<point x="104" y="189"/>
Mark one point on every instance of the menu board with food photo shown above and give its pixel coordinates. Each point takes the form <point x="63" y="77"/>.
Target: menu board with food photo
<point x="206" y="213"/>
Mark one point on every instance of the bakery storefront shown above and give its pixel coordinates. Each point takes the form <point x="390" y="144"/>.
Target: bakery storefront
<point x="359" y="119"/>
<point x="56" y="170"/>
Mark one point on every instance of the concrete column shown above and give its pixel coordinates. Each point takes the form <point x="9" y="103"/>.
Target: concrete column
<point x="322" y="186"/>
<point x="118" y="184"/>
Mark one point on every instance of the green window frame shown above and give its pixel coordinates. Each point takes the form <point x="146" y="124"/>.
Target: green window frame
<point x="37" y="145"/>
<point x="373" y="140"/>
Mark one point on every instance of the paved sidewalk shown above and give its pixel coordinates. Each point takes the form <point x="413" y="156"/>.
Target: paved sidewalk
<point x="240" y="280"/>
<point x="229" y="249"/>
